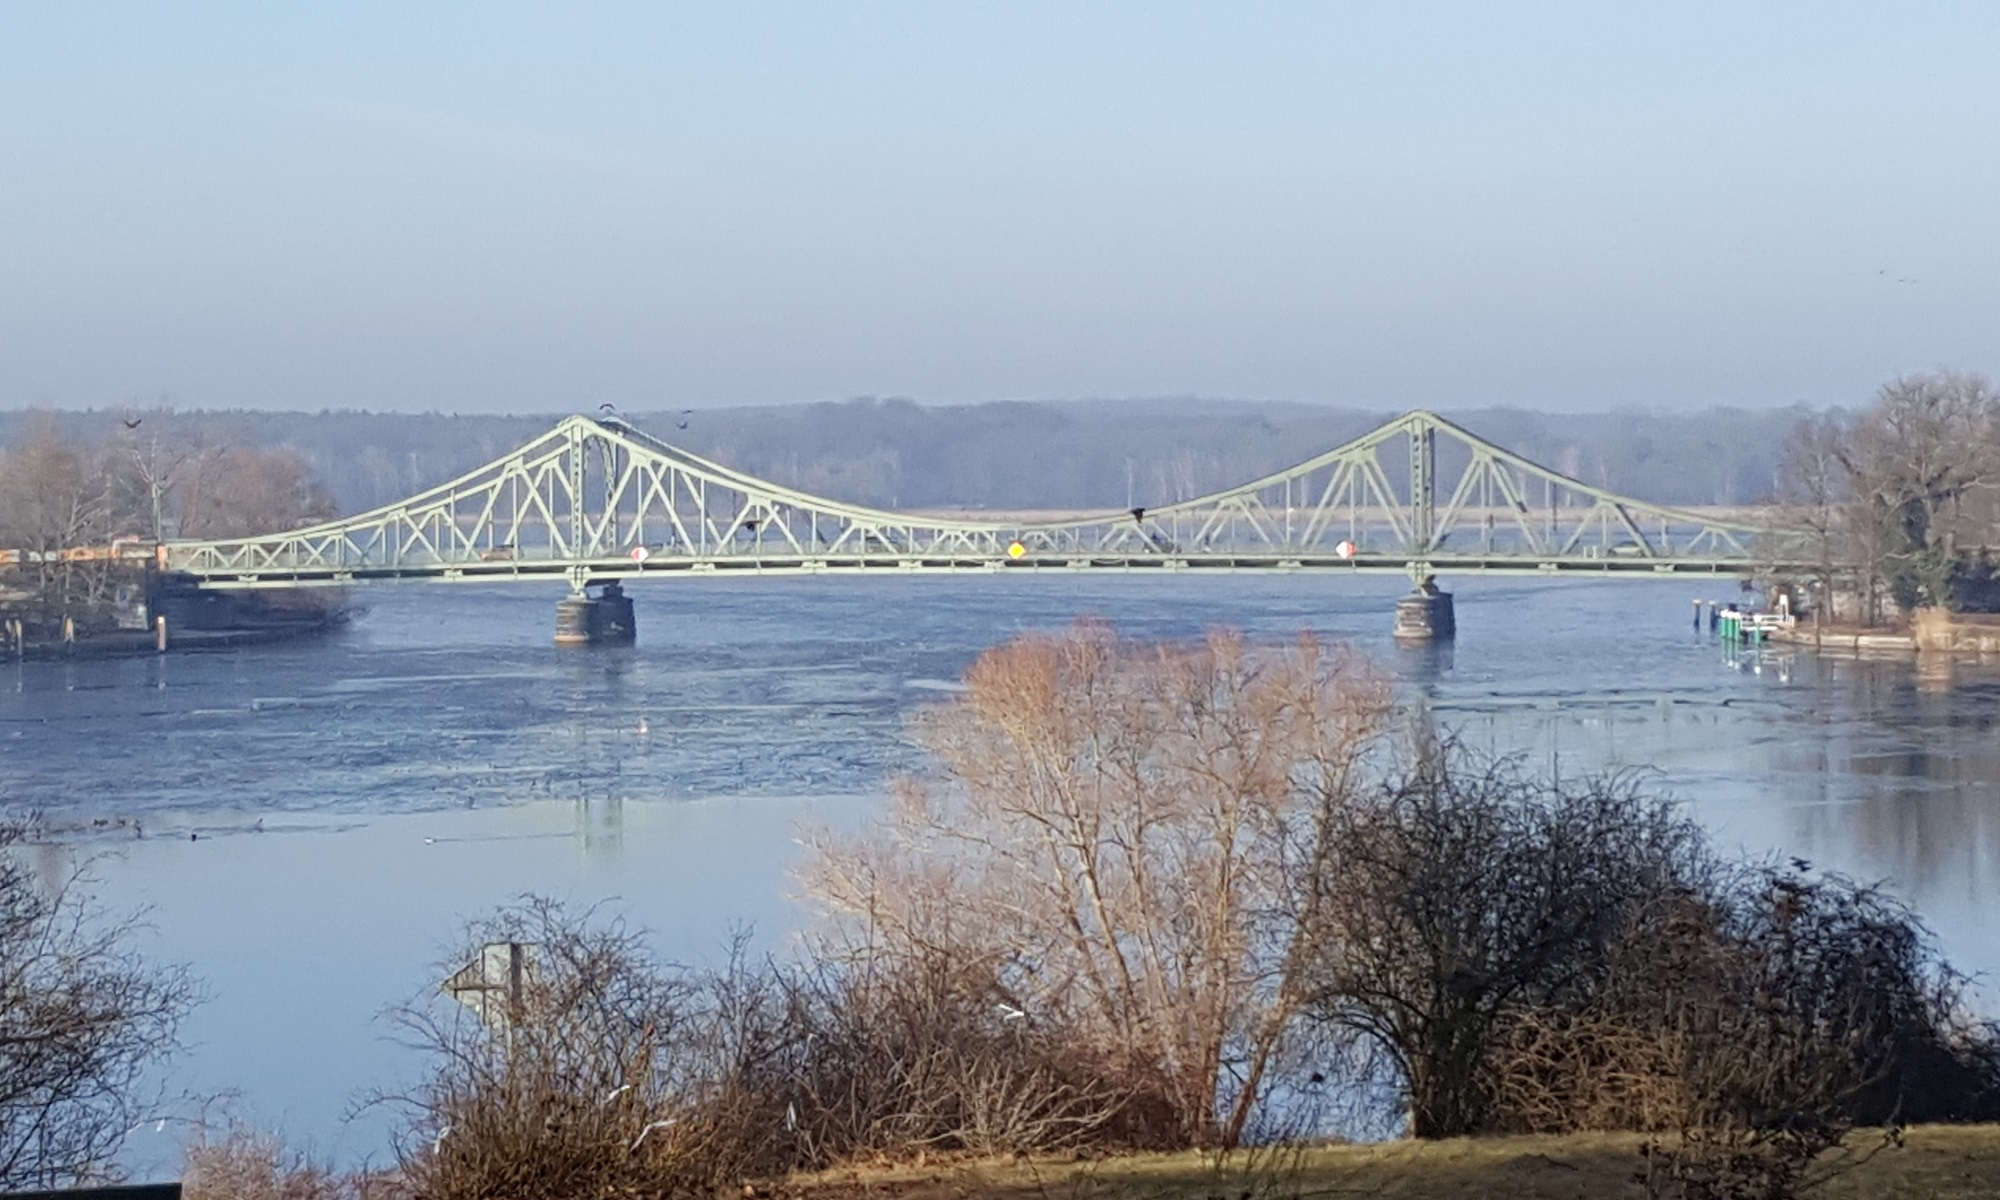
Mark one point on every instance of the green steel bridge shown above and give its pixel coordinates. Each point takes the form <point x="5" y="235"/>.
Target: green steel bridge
<point x="596" y="501"/>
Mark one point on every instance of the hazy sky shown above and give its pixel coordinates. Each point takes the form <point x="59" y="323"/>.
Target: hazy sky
<point x="544" y="206"/>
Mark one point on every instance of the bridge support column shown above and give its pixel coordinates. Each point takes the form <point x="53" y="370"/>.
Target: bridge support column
<point x="602" y="620"/>
<point x="1426" y="614"/>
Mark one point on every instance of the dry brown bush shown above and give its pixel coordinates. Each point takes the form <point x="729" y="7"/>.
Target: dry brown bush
<point x="1117" y="837"/>
<point x="895" y="1057"/>
<point x="598" y="1080"/>
<point x="246" y="1164"/>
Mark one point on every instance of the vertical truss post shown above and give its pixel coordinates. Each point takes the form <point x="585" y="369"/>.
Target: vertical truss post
<point x="1423" y="492"/>
<point x="608" y="451"/>
<point x="575" y="465"/>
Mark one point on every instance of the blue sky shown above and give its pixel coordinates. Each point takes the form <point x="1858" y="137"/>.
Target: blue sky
<point x="510" y="207"/>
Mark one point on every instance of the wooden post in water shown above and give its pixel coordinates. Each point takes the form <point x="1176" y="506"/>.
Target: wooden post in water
<point x="69" y="635"/>
<point x="160" y="633"/>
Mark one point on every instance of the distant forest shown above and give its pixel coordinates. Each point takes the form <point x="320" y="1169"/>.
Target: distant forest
<point x="1066" y="455"/>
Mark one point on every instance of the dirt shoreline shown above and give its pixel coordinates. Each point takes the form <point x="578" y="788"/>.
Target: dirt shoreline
<point x="1969" y="636"/>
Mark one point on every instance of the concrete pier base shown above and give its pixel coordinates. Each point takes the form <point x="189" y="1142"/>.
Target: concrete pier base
<point x="605" y="619"/>
<point x="1426" y="615"/>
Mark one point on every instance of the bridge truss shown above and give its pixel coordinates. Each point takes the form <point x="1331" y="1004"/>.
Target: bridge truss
<point x="598" y="500"/>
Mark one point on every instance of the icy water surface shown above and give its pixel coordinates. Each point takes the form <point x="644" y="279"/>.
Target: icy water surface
<point x="353" y="797"/>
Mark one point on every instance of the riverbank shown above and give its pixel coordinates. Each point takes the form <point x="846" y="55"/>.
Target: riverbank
<point x="1846" y="639"/>
<point x="1930" y="630"/>
<point x="1943" y="1161"/>
<point x="129" y="643"/>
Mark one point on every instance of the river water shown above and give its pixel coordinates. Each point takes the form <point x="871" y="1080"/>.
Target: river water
<point x="308" y="823"/>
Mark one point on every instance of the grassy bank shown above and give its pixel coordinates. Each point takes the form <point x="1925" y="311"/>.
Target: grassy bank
<point x="1948" y="1161"/>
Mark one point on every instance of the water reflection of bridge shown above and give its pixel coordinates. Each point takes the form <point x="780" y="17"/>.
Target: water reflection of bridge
<point x="595" y="503"/>
<point x="599" y="828"/>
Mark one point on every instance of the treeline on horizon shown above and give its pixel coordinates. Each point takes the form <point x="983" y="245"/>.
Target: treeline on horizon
<point x="1011" y="455"/>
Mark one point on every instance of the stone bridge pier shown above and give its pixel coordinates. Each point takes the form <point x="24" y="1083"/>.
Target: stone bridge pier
<point x="1426" y="614"/>
<point x="604" y="619"/>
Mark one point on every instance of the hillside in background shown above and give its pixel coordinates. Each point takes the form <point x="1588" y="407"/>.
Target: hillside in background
<point x="1080" y="454"/>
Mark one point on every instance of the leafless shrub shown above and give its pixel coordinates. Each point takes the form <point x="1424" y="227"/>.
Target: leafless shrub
<point x="1754" y="1027"/>
<point x="591" y="1082"/>
<point x="1117" y="837"/>
<point x="83" y="1017"/>
<point x="1817" y="1005"/>
<point x="245" y="1164"/>
<point x="1458" y="891"/>
<point x="919" y="1054"/>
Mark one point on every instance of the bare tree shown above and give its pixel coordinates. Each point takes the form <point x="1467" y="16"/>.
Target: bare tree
<point x="1905" y="495"/>
<point x="157" y="469"/>
<point x="1813" y="486"/>
<point x="1118" y="831"/>
<point x="240" y="492"/>
<point x="83" y="1018"/>
<point x="55" y="498"/>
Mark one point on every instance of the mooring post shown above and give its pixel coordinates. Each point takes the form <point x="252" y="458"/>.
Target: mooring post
<point x="160" y="633"/>
<point x="69" y="635"/>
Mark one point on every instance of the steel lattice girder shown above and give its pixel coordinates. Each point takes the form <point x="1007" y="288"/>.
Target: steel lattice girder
<point x="598" y="498"/>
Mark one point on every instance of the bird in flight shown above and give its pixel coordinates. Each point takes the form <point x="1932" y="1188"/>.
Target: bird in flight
<point x="133" y="423"/>
<point x="685" y="414"/>
<point x="606" y="407"/>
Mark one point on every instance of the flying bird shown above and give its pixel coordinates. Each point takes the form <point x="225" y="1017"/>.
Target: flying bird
<point x="134" y="423"/>
<point x="606" y="407"/>
<point x="685" y="414"/>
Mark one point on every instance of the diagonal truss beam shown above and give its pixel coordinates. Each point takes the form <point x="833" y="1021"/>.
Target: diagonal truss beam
<point x="596" y="498"/>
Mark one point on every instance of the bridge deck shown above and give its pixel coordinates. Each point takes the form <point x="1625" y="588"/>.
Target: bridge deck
<point x="724" y="567"/>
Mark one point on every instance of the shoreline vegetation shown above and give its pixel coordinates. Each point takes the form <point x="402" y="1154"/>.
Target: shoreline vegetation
<point x="1174" y="920"/>
<point x="73" y="511"/>
<point x="1900" y="505"/>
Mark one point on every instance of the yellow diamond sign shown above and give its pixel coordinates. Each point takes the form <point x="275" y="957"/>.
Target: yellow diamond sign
<point x="1016" y="550"/>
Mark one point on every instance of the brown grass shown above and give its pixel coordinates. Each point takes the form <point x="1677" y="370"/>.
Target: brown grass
<point x="1943" y="1161"/>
